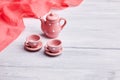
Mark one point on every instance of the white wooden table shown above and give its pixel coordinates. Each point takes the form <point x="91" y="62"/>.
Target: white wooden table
<point x="91" y="42"/>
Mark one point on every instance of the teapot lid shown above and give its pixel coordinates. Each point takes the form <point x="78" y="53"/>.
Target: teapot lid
<point x="52" y="17"/>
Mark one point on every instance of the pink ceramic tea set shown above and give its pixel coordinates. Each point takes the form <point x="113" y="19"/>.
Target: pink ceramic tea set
<point x="33" y="43"/>
<point x="51" y="27"/>
<point x="53" y="47"/>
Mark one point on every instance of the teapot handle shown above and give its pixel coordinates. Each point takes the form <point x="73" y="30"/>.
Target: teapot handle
<point x="62" y="26"/>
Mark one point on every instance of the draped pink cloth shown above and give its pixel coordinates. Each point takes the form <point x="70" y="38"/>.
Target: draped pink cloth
<point x="12" y="12"/>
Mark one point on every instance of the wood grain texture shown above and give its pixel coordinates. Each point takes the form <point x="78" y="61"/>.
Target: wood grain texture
<point x="91" y="46"/>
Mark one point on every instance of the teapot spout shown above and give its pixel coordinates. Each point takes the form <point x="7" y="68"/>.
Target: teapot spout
<point x="42" y="20"/>
<point x="42" y="23"/>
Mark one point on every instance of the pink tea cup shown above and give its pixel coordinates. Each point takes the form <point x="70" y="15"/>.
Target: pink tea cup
<point x="33" y="40"/>
<point x="54" y="45"/>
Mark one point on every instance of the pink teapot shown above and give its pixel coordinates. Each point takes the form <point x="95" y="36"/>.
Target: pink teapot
<point x="51" y="27"/>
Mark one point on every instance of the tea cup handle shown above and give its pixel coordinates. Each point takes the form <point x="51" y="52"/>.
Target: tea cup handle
<point x="45" y="47"/>
<point x="26" y="43"/>
<point x="62" y="26"/>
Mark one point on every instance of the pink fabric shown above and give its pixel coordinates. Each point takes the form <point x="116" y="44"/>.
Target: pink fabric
<point x="12" y="12"/>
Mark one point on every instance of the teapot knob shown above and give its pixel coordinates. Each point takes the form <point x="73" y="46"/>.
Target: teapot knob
<point x="51" y="14"/>
<point x="52" y="17"/>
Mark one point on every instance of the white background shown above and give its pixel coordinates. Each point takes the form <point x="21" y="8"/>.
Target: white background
<point x="91" y="43"/>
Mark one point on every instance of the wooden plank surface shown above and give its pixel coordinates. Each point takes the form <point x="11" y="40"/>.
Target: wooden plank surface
<point x="91" y="45"/>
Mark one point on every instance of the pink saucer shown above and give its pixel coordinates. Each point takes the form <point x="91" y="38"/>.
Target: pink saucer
<point x="53" y="54"/>
<point x="33" y="49"/>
